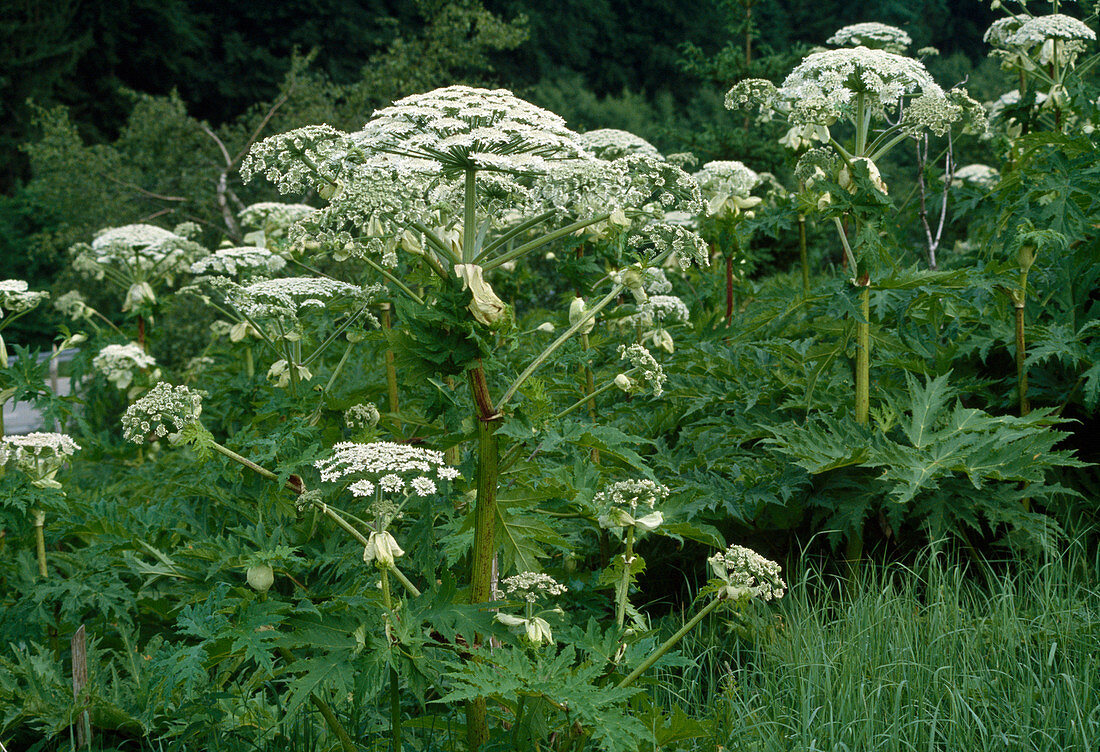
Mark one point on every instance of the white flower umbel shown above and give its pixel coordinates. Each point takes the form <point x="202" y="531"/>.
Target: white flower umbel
<point x="460" y="127"/>
<point x="271" y="216"/>
<point x="362" y="416"/>
<point x="529" y="588"/>
<point x="743" y="574"/>
<point x="386" y="467"/>
<point x="164" y="411"/>
<point x="244" y="261"/>
<point x="16" y="298"/>
<point x="1057" y="39"/>
<point x="132" y="254"/>
<point x="120" y="363"/>
<point x="978" y="175"/>
<point x="859" y="85"/>
<point x="611" y="143"/>
<point x="726" y="186"/>
<point x="464" y="160"/>
<point x="631" y="503"/>
<point x="38" y="455"/>
<point x="876" y="36"/>
<point x="653" y="376"/>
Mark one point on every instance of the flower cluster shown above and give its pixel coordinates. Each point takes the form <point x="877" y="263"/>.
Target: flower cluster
<point x="310" y="157"/>
<point x="1055" y="38"/>
<point x="16" y="298"/>
<point x="120" y="363"/>
<point x="385" y="467"/>
<point x="145" y="251"/>
<point x="273" y="215"/>
<point x="876" y="36"/>
<point x="660" y="239"/>
<point x="288" y="297"/>
<point x="652" y="374"/>
<point x="460" y="127"/>
<point x="164" y="411"/>
<point x="530" y="587"/>
<point x="656" y="313"/>
<point x="978" y="175"/>
<point x="361" y="416"/>
<point x="611" y="143"/>
<point x="622" y="501"/>
<point x="244" y="261"/>
<point x="39" y="455"/>
<point x="72" y="305"/>
<point x="744" y="573"/>
<point x="726" y="186"/>
<point x="832" y="85"/>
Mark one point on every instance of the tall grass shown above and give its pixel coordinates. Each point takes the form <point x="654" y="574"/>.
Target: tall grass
<point x="914" y="659"/>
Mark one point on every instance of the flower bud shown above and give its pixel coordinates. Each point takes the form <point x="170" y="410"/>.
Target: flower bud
<point x="545" y="326"/>
<point x="634" y="279"/>
<point x="382" y="549"/>
<point x="847" y="183"/>
<point x="486" y="307"/>
<point x="260" y="577"/>
<point x="1025" y="256"/>
<point x="577" y="311"/>
<point x="139" y="294"/>
<point x="624" y="382"/>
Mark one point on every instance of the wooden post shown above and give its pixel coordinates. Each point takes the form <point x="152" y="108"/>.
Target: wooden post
<point x="80" y="678"/>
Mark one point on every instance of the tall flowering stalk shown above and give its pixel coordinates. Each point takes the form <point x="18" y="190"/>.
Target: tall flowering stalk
<point x="461" y="182"/>
<point x="882" y="98"/>
<point x="39" y="457"/>
<point x="139" y="260"/>
<point x="1043" y="50"/>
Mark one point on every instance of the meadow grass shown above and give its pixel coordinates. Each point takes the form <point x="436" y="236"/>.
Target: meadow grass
<point x="913" y="658"/>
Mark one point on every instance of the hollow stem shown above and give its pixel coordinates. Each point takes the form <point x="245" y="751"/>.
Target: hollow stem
<point x="624" y="583"/>
<point x="668" y="644"/>
<point x="803" y="255"/>
<point x="729" y="288"/>
<point x="395" y="680"/>
<point x="391" y="367"/>
<point x="40" y="542"/>
<point x="553" y="346"/>
<point x="485" y="514"/>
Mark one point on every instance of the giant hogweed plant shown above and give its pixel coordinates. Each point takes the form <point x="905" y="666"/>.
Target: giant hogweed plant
<point x="877" y="99"/>
<point x="434" y="194"/>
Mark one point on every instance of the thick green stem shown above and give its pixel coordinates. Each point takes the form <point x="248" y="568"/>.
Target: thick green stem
<point x="541" y="357"/>
<point x="863" y="354"/>
<point x="395" y="680"/>
<point x="541" y="241"/>
<point x="469" y="217"/>
<point x="40" y="542"/>
<point x="624" y="583"/>
<point x="391" y="367"/>
<point x="854" y="545"/>
<point x="485" y="514"/>
<point x="668" y="644"/>
<point x="1021" y="359"/>
<point x="803" y="256"/>
<point x="729" y="288"/>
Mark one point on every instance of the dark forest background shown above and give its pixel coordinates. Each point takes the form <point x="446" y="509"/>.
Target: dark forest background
<point x="109" y="110"/>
